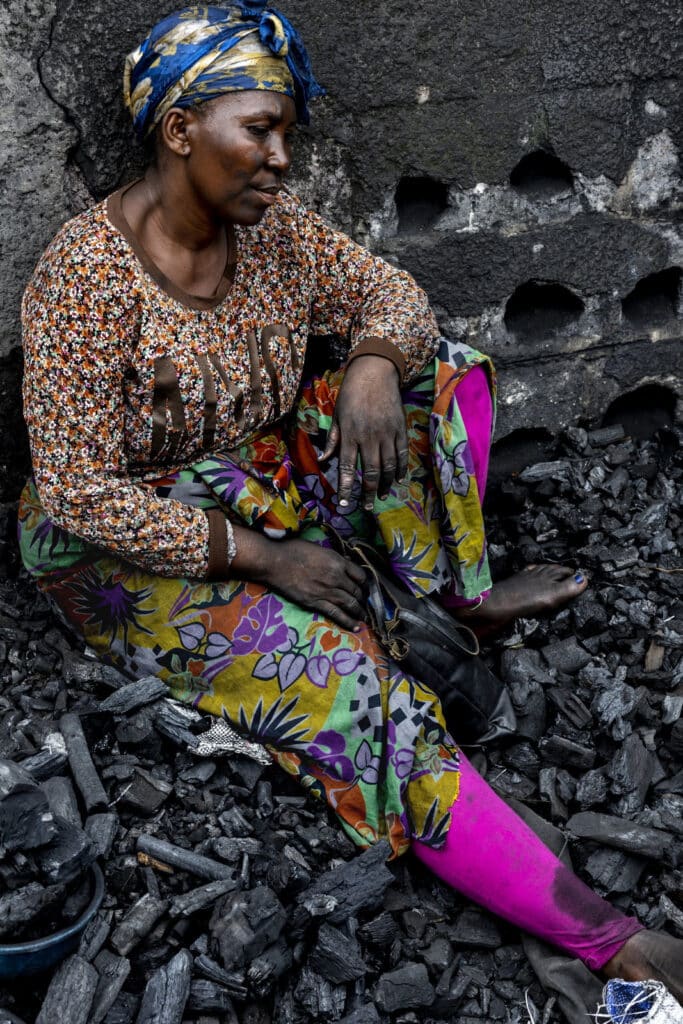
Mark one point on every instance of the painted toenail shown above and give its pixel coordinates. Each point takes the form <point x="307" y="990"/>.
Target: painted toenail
<point x="578" y="578"/>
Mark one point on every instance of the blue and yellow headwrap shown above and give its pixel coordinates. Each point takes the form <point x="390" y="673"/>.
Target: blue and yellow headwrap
<point x="200" y="53"/>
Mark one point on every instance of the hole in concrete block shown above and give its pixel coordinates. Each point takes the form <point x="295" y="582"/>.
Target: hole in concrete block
<point x="655" y="298"/>
<point x="541" y="173"/>
<point x="419" y="202"/>
<point x="536" y="309"/>
<point x="644" y="411"/>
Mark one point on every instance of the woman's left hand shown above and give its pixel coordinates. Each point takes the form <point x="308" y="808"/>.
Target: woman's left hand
<point x="369" y="421"/>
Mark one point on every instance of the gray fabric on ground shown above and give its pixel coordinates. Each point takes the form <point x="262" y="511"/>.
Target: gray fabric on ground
<point x="578" y="990"/>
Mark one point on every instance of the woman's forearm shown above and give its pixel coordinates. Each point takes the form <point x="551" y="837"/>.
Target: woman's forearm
<point x="255" y="556"/>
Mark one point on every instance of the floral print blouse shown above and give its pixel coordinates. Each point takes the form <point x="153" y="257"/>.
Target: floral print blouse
<point x="128" y="377"/>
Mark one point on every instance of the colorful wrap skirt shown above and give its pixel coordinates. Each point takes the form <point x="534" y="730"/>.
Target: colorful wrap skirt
<point x="329" y="705"/>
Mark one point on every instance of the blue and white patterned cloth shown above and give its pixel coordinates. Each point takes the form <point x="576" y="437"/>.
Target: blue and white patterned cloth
<point x="639" y="1002"/>
<point x="201" y="52"/>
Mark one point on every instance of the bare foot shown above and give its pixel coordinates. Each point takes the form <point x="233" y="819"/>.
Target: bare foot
<point x="537" y="590"/>
<point x="650" y="955"/>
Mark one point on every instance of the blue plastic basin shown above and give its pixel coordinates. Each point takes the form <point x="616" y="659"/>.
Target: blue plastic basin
<point x="19" y="958"/>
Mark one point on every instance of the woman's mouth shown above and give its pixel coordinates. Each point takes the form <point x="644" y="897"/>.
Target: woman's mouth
<point x="267" y="195"/>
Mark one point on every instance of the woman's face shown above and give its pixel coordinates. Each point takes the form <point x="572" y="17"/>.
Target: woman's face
<point x="239" y="150"/>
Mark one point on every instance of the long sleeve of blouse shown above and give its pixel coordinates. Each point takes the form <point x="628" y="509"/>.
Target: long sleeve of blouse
<point x="125" y="381"/>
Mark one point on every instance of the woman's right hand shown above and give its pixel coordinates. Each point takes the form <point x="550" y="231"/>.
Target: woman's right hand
<point x="311" y="576"/>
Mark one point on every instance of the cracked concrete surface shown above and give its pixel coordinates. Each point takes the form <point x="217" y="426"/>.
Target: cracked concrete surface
<point x="450" y="92"/>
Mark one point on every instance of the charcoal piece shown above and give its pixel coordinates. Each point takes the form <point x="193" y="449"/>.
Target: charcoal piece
<point x="185" y="860"/>
<point x="589" y="615"/>
<point x="173" y="722"/>
<point x="518" y="665"/>
<point x="591" y="788"/>
<point x="561" y="751"/>
<point x="167" y="991"/>
<point x="233" y="849"/>
<point x="631" y="771"/>
<point x="234" y="824"/>
<point x="547" y="787"/>
<point x="94" y="937"/>
<point x="265" y="969"/>
<point x="571" y="706"/>
<point x="530" y="707"/>
<point x="81" y="764"/>
<point x="264" y="799"/>
<point x="672" y="785"/>
<point x="67" y="856"/>
<point x="101" y="829"/>
<point x="614" y="705"/>
<point x="124" y="1009"/>
<point x="672" y="913"/>
<point x="414" y="923"/>
<point x="438" y="955"/>
<point x="145" y="793"/>
<point x="244" y="924"/>
<point x="404" y="989"/>
<point x="61" y="799"/>
<point x="567" y="655"/>
<point x="621" y="835"/>
<point x="381" y="931"/>
<point x="70" y="993"/>
<point x="320" y="998"/>
<point x="246" y="771"/>
<point x="476" y="930"/>
<point x="196" y="900"/>
<point x="21" y="909"/>
<point x="26" y="821"/>
<point x="366" y="1014"/>
<point x="206" y="997"/>
<point x="672" y="708"/>
<point x="603" y="436"/>
<point x="137" y="923"/>
<point x="357" y="885"/>
<point x="557" y="470"/>
<point x="448" y="1001"/>
<point x="522" y="757"/>
<point x="233" y="981"/>
<point x="614" y="871"/>
<point x="112" y="971"/>
<point x="49" y="760"/>
<point x="199" y="774"/>
<point x="134" y="695"/>
<point x="675" y="743"/>
<point x="337" y="956"/>
<point x="138" y="734"/>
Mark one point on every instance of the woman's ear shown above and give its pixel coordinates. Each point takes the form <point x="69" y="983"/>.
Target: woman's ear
<point x="174" y="131"/>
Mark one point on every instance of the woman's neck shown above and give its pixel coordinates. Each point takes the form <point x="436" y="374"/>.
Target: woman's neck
<point x="185" y="243"/>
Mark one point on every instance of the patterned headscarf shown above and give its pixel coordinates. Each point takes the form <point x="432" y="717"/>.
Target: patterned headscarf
<point x="201" y="52"/>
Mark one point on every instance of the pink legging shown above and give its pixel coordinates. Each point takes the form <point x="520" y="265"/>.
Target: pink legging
<point x="493" y="858"/>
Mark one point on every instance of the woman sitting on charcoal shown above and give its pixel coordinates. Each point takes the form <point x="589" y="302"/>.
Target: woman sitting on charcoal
<point x="185" y="475"/>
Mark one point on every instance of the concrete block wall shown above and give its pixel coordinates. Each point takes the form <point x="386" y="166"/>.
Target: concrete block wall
<point x="521" y="159"/>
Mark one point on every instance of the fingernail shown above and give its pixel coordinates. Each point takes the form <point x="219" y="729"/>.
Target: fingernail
<point x="344" y="503"/>
<point x="383" y="497"/>
<point x="578" y="578"/>
<point x="369" y="508"/>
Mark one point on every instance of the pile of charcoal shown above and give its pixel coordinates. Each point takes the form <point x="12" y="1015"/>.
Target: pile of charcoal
<point x="232" y="896"/>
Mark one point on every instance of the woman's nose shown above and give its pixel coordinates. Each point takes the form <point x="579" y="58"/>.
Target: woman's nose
<point x="280" y="156"/>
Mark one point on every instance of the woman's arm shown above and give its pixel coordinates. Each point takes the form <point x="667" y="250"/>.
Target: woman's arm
<point x="394" y="334"/>
<point x="79" y="322"/>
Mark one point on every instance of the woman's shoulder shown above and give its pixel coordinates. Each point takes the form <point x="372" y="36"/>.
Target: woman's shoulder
<point x="88" y="245"/>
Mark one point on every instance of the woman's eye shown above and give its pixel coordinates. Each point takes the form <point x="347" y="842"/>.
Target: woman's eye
<point x="259" y="130"/>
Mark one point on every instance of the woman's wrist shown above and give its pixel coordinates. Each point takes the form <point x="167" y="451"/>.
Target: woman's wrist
<point x="256" y="555"/>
